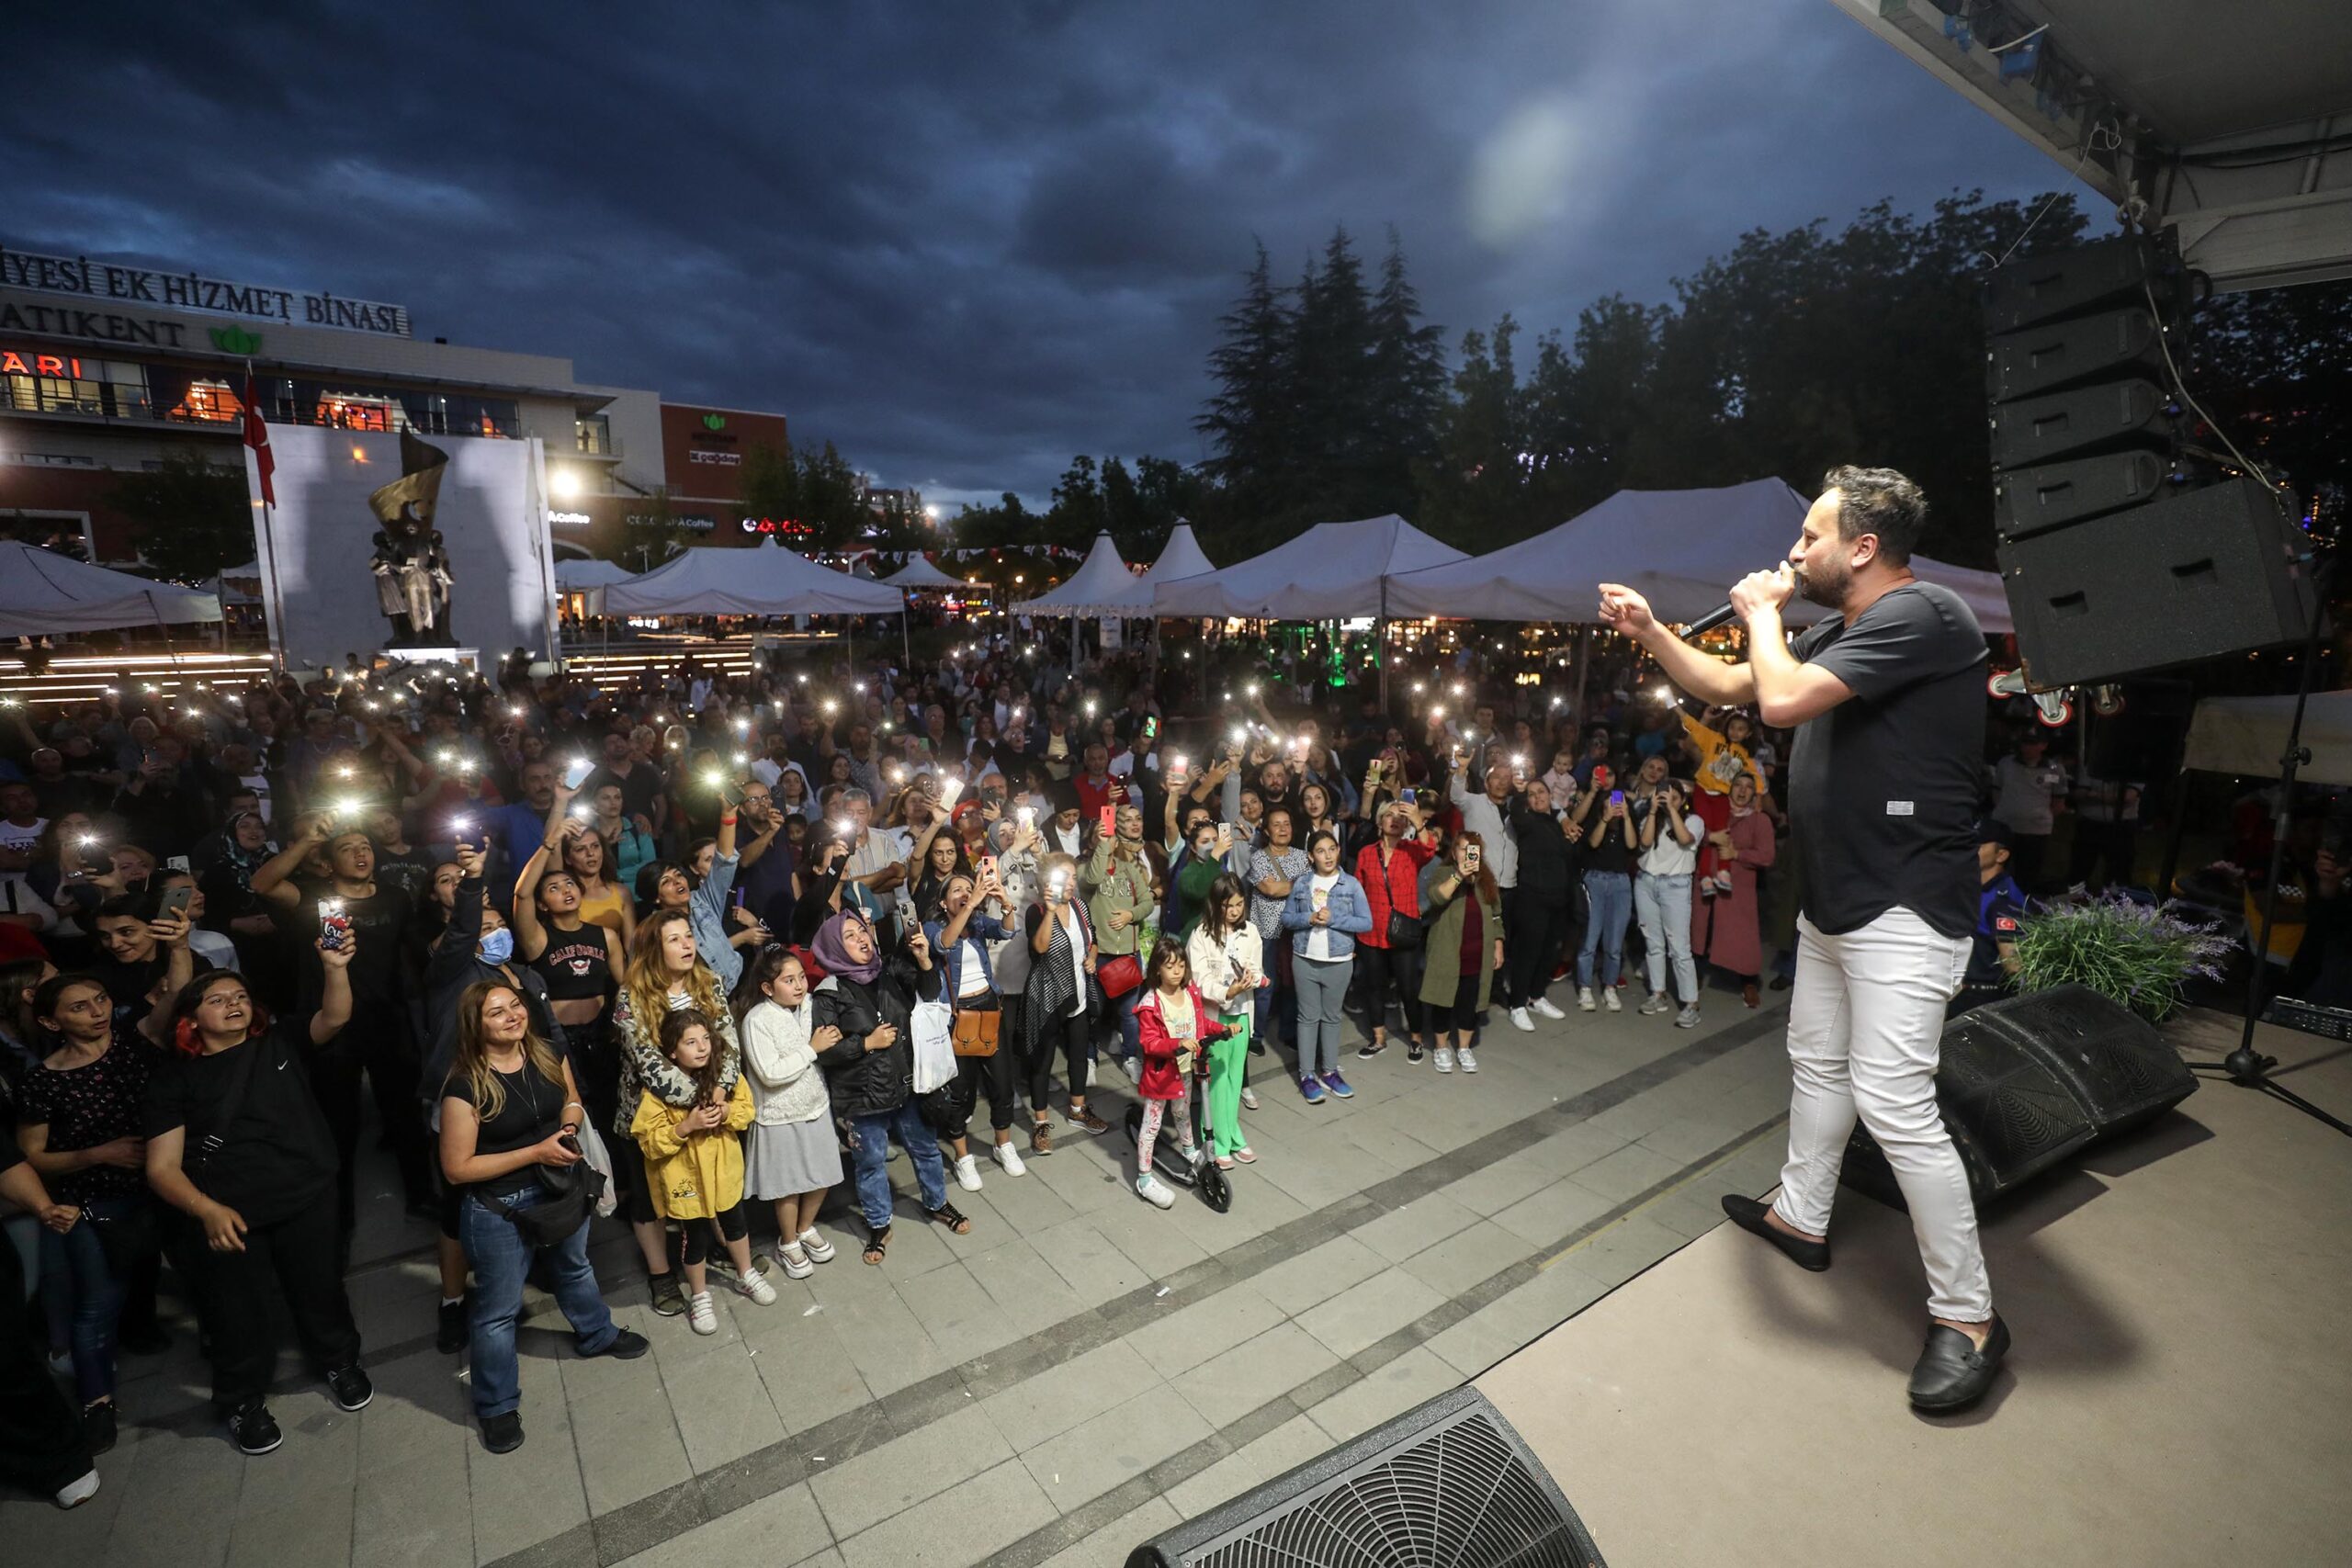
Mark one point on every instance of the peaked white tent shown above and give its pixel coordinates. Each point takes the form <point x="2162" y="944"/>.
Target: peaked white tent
<point x="1181" y="556"/>
<point x="919" y="573"/>
<point x="44" y="593"/>
<point x="765" y="580"/>
<point x="1331" y="570"/>
<point x="1103" y="585"/>
<point x="1682" y="549"/>
<point x="580" y="576"/>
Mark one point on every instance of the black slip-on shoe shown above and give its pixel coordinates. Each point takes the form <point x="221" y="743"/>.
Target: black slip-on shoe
<point x="1952" y="1373"/>
<point x="1749" y="1215"/>
<point x="503" y="1434"/>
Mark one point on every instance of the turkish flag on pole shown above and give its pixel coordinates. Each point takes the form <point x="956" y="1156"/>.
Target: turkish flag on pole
<point x="257" y="438"/>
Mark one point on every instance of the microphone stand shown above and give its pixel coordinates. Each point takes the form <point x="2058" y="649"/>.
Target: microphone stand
<point x="2246" y="1067"/>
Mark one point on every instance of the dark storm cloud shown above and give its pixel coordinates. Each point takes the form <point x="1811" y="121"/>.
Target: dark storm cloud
<point x="963" y="242"/>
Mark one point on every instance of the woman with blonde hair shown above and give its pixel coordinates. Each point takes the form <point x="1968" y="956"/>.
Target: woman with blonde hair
<point x="665" y="975"/>
<point x="509" y="1107"/>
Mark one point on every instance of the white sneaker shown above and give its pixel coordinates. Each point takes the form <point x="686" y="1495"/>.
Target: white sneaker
<point x="74" y="1493"/>
<point x="795" y="1258"/>
<point x="1446" y="1058"/>
<point x="1609" y="1000"/>
<point x="1518" y="1020"/>
<point x="1656" y="1001"/>
<point x="701" y="1317"/>
<point x="1468" y="1059"/>
<point x="818" y="1250"/>
<point x="1009" y="1157"/>
<point x="1584" y="998"/>
<point x="1543" y="1006"/>
<point x="755" y="1285"/>
<point x="1152" y="1191"/>
<point x="968" y="1174"/>
<point x="1134" y="1065"/>
<point x="1249" y="1100"/>
<point x="1688" y="1018"/>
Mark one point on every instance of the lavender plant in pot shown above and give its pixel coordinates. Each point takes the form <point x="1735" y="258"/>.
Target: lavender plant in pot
<point x="2137" y="956"/>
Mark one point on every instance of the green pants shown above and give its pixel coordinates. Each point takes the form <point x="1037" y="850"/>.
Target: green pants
<point x="1227" y="1059"/>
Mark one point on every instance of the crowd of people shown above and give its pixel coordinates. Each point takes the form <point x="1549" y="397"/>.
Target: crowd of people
<point x="713" y="946"/>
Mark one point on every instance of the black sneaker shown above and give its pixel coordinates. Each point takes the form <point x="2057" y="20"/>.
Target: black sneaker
<point x="503" y="1434"/>
<point x="667" y="1299"/>
<point x="1413" y="1052"/>
<point x="453" y="1334"/>
<point x="1371" y="1048"/>
<point x="626" y="1346"/>
<point x="98" y="1425"/>
<point x="350" y="1387"/>
<point x="251" y="1429"/>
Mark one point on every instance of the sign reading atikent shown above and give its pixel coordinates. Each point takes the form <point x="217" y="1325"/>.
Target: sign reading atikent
<point x="192" y="291"/>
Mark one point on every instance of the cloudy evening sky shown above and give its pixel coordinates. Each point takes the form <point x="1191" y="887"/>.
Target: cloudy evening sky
<point x="964" y="241"/>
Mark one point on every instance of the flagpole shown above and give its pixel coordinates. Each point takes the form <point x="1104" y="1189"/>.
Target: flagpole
<point x="269" y="540"/>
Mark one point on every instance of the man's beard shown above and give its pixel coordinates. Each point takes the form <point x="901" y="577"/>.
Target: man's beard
<point x="1826" y="589"/>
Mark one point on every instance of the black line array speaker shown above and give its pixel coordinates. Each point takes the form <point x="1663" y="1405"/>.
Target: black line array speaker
<point x="1447" y="1482"/>
<point x="2189" y="575"/>
<point x="2119" y="550"/>
<point x="2028" y="1081"/>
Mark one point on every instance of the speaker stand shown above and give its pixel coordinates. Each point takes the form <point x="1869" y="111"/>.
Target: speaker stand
<point x="2246" y="1067"/>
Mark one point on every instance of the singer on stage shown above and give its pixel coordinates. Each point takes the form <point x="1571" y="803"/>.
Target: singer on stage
<point x="1888" y="702"/>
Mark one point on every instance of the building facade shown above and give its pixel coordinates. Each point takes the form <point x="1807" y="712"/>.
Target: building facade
<point x="107" y="369"/>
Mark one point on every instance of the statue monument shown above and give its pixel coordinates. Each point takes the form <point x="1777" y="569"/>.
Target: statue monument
<point x="411" y="568"/>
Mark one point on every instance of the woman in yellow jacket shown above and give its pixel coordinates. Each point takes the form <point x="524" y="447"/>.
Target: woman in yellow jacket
<point x="694" y="1156"/>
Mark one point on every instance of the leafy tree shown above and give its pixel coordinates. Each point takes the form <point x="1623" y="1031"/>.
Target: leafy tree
<point x="190" y="518"/>
<point x="771" y="480"/>
<point x="2274" y="368"/>
<point x="831" y="503"/>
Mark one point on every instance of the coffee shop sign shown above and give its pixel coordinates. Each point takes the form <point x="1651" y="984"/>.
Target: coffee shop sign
<point x="88" y="279"/>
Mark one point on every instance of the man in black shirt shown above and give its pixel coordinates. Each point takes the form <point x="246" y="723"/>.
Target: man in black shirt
<point x="1887" y="697"/>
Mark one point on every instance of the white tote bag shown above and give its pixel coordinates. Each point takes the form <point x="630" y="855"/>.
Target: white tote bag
<point x="600" y="1159"/>
<point x="932" y="1027"/>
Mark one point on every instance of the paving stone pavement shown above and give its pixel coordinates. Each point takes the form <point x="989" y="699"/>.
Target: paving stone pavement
<point x="1076" y="1374"/>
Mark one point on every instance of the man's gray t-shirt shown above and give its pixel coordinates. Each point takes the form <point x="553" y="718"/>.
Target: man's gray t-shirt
<point x="1882" y="788"/>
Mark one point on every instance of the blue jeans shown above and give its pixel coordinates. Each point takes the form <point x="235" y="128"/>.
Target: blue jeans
<point x="1663" y="905"/>
<point x="1130" y="1027"/>
<point x="869" y="1146"/>
<point x="499" y="1258"/>
<point x="1610" y="895"/>
<point x="83" y="1298"/>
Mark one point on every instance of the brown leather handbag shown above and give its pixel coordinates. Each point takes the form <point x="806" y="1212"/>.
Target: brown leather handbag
<point x="975" y="1034"/>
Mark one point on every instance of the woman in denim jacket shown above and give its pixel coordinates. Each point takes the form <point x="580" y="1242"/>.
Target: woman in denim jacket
<point x="1326" y="911"/>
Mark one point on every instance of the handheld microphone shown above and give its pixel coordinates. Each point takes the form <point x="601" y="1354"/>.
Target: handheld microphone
<point x="1711" y="620"/>
<point x="1721" y="613"/>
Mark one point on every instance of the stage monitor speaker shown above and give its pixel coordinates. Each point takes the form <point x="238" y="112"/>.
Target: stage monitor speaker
<point x="2192" y="576"/>
<point x="2026" y="1081"/>
<point x="2028" y="500"/>
<point x="1448" y="1482"/>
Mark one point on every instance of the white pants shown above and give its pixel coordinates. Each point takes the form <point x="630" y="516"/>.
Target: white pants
<point x="1662" y="903"/>
<point x="1865" y="1031"/>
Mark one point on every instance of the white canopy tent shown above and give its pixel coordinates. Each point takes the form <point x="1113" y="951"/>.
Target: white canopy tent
<point x="918" y="574"/>
<point x="1680" y="549"/>
<point x="1333" y="569"/>
<point x="44" y="593"/>
<point x="764" y="580"/>
<point x="1181" y="556"/>
<point x="1103" y="584"/>
<point x="590" y="578"/>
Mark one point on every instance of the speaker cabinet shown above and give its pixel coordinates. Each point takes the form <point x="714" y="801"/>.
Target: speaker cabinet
<point x="2192" y="576"/>
<point x="1447" y="1482"/>
<point x="2028" y="1081"/>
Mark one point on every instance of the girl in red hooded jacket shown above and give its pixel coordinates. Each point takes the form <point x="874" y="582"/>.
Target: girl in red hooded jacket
<point x="1174" y="1024"/>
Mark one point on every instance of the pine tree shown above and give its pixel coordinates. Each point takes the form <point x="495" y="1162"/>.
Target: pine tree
<point x="1408" y="374"/>
<point x="1251" y="419"/>
<point x="1338" y="401"/>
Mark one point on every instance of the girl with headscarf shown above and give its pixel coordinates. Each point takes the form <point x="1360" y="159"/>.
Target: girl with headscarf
<point x="869" y="996"/>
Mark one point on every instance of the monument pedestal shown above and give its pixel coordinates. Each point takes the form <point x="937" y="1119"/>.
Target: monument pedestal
<point x="462" y="658"/>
